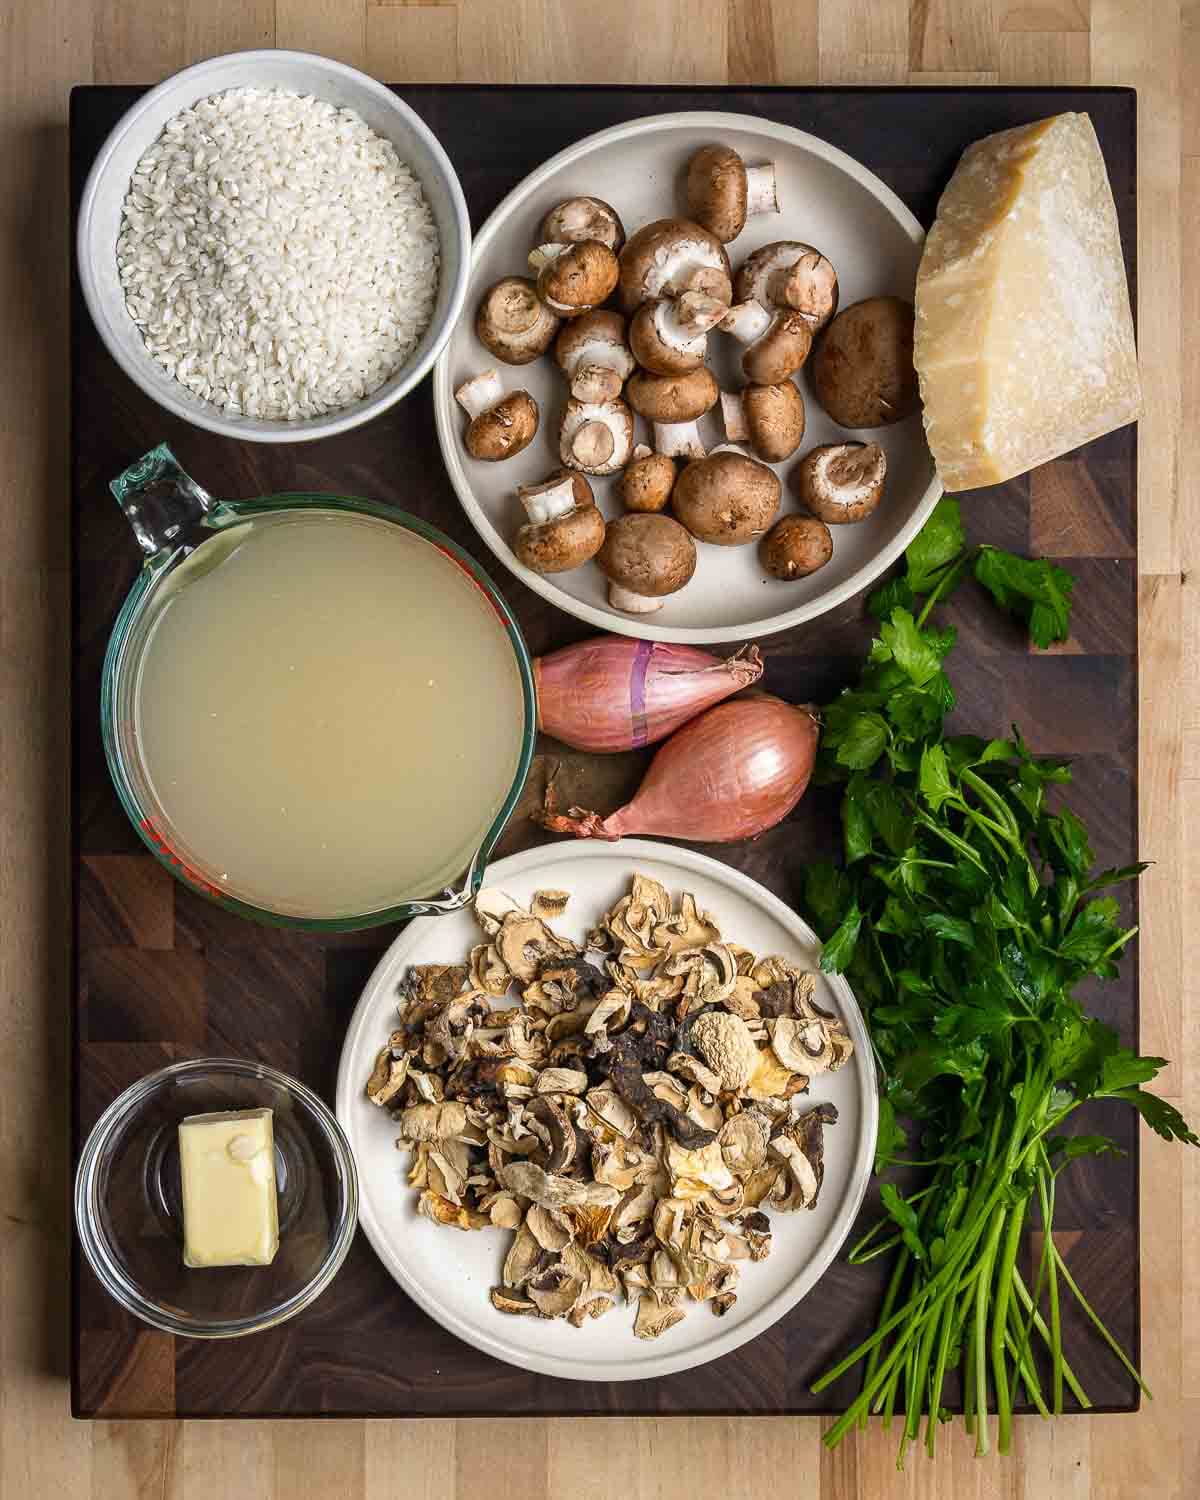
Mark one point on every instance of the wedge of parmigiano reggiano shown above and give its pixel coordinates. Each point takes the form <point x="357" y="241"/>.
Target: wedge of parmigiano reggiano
<point x="1024" y="340"/>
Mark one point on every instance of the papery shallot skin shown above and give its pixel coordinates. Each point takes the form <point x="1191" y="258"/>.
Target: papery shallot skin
<point x="614" y="693"/>
<point x="730" y="774"/>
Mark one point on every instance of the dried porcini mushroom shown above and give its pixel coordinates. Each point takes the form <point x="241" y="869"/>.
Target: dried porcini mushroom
<point x="627" y="1119"/>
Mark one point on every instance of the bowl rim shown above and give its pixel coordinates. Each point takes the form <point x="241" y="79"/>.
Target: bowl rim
<point x="451" y="446"/>
<point x="204" y="414"/>
<point x="107" y="1268"/>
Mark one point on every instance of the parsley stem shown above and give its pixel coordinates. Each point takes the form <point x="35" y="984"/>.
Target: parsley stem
<point x="1099" y="1326"/>
<point x="1056" y="1354"/>
<point x="979" y="1342"/>
<point x="1008" y="1257"/>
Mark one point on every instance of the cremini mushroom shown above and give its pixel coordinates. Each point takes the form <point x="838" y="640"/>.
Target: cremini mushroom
<point x="564" y="528"/>
<point x="863" y="370"/>
<point x="841" y="483"/>
<point x="648" y="480"/>
<point x="727" y="498"/>
<point x="788" y="273"/>
<point x="673" y="404"/>
<point x="776" y="343"/>
<point x="723" y="192"/>
<point x="669" y="335"/>
<point x="645" y="558"/>
<point x="593" y="353"/>
<point x="577" y="219"/>
<point x="668" y="257"/>
<point x="513" y="323"/>
<point x="768" y="417"/>
<point x="573" y="278"/>
<point x="796" y="546"/>
<point x="596" y="436"/>
<point x="500" y="426"/>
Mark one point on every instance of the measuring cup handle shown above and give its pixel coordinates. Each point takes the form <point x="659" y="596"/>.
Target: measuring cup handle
<point x="162" y="502"/>
<point x="456" y="900"/>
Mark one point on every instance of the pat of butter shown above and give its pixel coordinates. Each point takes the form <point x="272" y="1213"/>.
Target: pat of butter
<point x="230" y="1216"/>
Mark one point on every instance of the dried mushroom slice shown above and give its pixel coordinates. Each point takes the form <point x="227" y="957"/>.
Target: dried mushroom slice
<point x="555" y="1292"/>
<point x="655" y="1315"/>
<point x="491" y="906"/>
<point x="530" y="1181"/>
<point x="549" y="904"/>
<point x="725" y="1044"/>
<point x="434" y="1122"/>
<point x="803" y="1046"/>
<point x="452" y="1215"/>
<point x="489" y="973"/>
<point x="388" y="1076"/>
<point x="561" y="1081"/>
<point x="508" y="1302"/>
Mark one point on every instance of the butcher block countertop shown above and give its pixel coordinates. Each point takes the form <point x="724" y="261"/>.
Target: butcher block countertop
<point x="48" y="46"/>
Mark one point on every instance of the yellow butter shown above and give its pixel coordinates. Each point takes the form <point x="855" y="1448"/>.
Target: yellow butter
<point x="230" y="1214"/>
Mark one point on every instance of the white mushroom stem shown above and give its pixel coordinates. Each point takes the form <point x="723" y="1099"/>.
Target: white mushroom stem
<point x="728" y="448"/>
<point x="761" y="194"/>
<point x="747" y="321"/>
<point x="548" y="501"/>
<point x="642" y="451"/>
<point x="678" y="439"/>
<point x="592" y="444"/>
<point x="544" y="254"/>
<point x="630" y="603"/>
<point x="596" y="437"/>
<point x="598" y="370"/>
<point x="480" y="393"/>
<point x="688" y="265"/>
<point x="690" y="316"/>
<point x="733" y="413"/>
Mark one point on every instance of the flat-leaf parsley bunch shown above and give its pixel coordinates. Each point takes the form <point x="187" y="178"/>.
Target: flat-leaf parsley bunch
<point x="966" y="915"/>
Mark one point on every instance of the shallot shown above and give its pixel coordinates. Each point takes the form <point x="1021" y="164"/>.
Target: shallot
<point x="730" y="774"/>
<point x="613" y="693"/>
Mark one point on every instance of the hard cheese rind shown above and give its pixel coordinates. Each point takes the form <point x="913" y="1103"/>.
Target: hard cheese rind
<point x="1024" y="339"/>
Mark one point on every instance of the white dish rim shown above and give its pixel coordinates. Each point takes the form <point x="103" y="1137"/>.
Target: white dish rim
<point x="205" y="415"/>
<point x="350" y="1083"/>
<point x="449" y="437"/>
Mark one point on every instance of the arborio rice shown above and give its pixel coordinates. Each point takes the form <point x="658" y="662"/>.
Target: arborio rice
<point x="279" y="258"/>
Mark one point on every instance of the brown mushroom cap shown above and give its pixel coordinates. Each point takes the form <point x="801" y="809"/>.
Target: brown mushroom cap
<point x="648" y="555"/>
<point x="504" y="429"/>
<point x="780" y="352"/>
<point x="789" y="273"/>
<point x="583" y="219"/>
<point x="513" y="323"/>
<point x="654" y="352"/>
<point x="775" y="419"/>
<point x="669" y="256"/>
<point x="841" y="483"/>
<point x="647" y="483"/>
<point x="727" y="498"/>
<point x="716" y="191"/>
<point x="672" y="398"/>
<point x="796" y="546"/>
<point x="560" y="545"/>
<point x="578" y="278"/>
<point x="863" y="370"/>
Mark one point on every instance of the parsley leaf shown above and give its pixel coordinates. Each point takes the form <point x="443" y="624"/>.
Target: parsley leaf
<point x="902" y="1213"/>
<point x="937" y="544"/>
<point x="1034" y="589"/>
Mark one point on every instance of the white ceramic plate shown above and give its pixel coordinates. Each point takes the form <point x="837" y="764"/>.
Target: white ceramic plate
<point x="448" y="1272"/>
<point x="828" y="200"/>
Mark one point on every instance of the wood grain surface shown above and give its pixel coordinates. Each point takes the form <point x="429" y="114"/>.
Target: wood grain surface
<point x="45" y="47"/>
<point x="161" y="974"/>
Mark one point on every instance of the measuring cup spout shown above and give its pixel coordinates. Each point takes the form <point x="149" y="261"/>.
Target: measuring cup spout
<point x="163" y="503"/>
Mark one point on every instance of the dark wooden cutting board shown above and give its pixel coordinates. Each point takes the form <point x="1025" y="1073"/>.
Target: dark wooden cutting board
<point x="161" y="975"/>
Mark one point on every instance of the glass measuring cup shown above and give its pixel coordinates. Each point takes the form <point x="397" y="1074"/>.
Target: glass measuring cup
<point x="172" y="516"/>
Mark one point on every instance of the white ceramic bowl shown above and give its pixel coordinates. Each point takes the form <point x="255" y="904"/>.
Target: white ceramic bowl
<point x="448" y="1273"/>
<point x="829" y="200"/>
<point x="108" y="182"/>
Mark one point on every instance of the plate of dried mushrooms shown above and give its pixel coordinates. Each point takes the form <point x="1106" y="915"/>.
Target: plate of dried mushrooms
<point x="613" y="1122"/>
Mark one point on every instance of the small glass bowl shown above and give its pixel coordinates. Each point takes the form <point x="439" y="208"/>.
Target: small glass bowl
<point x="128" y="1205"/>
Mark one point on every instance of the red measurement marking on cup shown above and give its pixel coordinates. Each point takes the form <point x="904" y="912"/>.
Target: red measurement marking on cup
<point x="192" y="876"/>
<point x="466" y="572"/>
